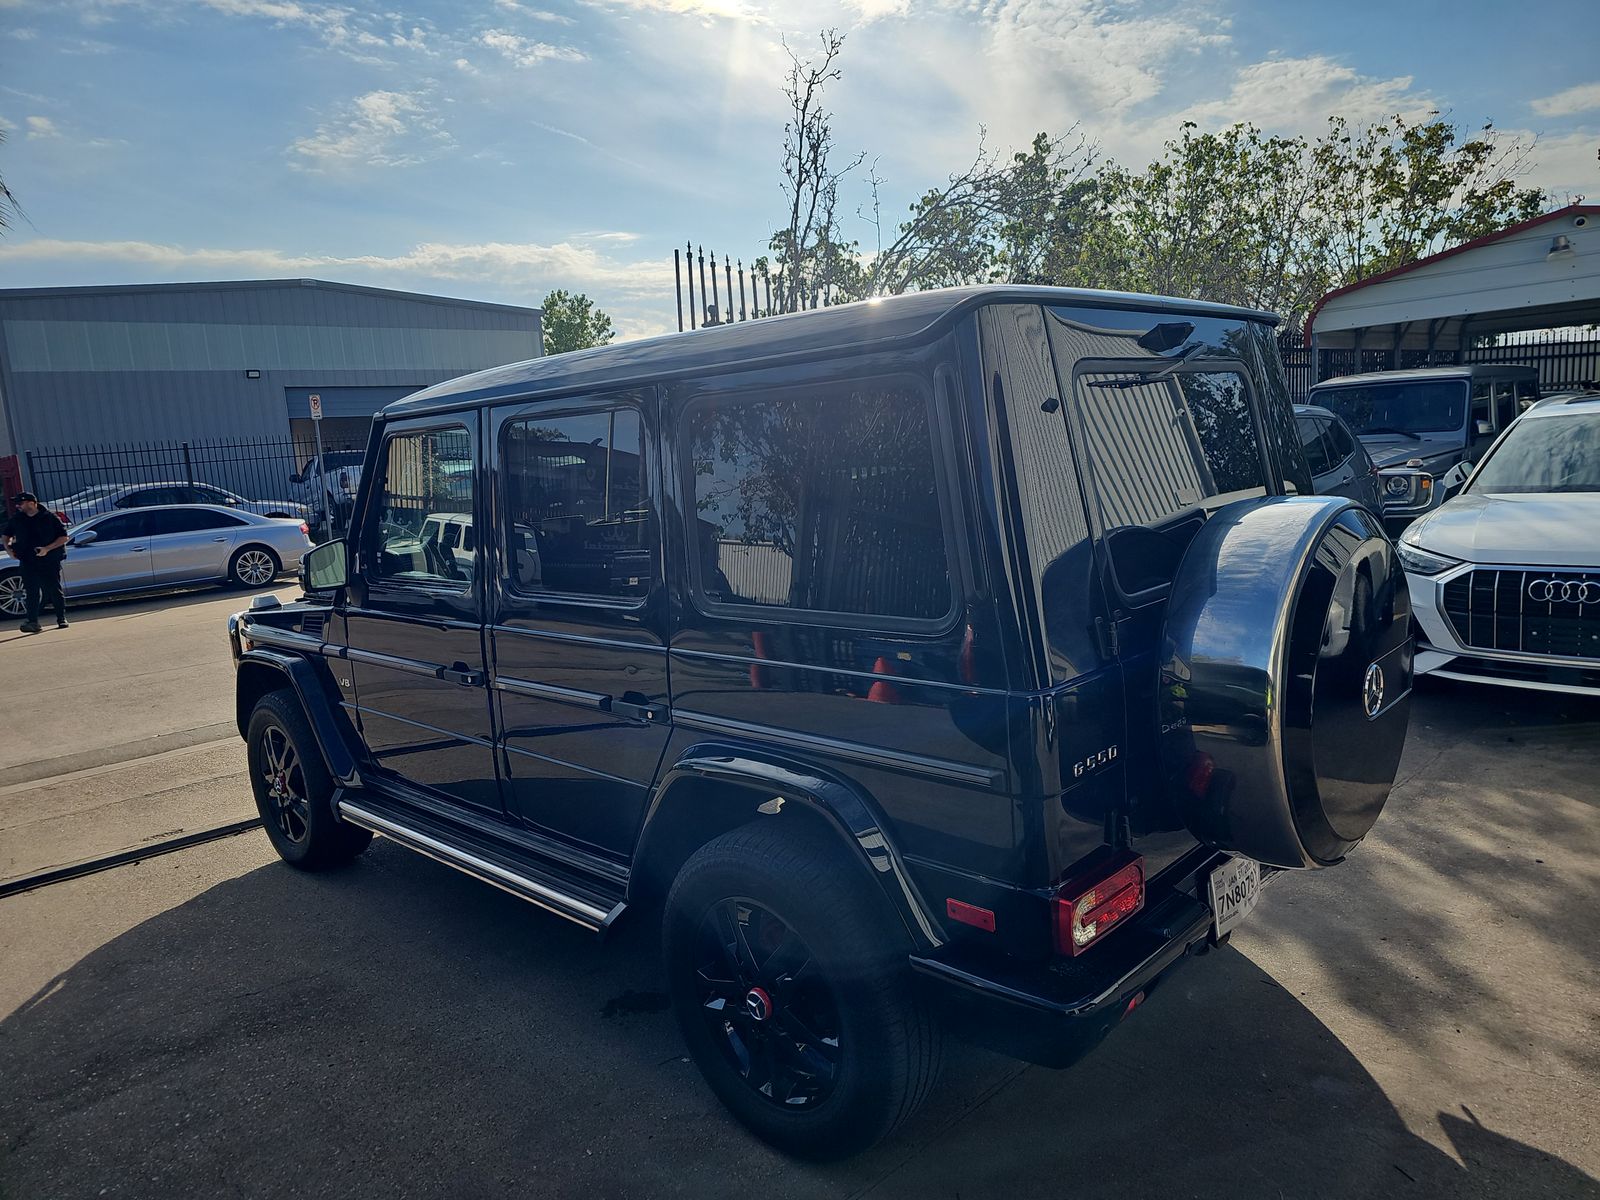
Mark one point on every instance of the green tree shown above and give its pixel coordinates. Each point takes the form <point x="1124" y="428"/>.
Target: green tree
<point x="572" y="322"/>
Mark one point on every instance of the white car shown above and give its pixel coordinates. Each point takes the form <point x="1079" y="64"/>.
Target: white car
<point x="92" y="501"/>
<point x="1505" y="577"/>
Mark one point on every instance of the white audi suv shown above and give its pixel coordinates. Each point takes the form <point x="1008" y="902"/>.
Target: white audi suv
<point x="1505" y="576"/>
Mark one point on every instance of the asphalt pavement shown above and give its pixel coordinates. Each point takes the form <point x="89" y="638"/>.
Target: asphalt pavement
<point x="1423" y="1021"/>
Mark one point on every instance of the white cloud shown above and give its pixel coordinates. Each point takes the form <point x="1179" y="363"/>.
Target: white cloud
<point x="726" y="9"/>
<point x="24" y="34"/>
<point x="877" y="10"/>
<point x="1581" y="99"/>
<point x="536" y="14"/>
<point x="42" y="127"/>
<point x="1566" y="165"/>
<point x="378" y="129"/>
<point x="1297" y="95"/>
<point x="526" y="52"/>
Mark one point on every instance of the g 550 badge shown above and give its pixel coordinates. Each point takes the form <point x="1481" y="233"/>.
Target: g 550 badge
<point x="1096" y="760"/>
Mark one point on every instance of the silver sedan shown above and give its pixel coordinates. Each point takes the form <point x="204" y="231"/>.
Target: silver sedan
<point x="177" y="545"/>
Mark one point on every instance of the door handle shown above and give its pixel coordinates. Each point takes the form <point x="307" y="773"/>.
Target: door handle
<point x="462" y="674"/>
<point x="643" y="710"/>
<point x="220" y="539"/>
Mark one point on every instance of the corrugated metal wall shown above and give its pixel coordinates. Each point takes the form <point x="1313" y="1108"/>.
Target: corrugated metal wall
<point x="96" y="366"/>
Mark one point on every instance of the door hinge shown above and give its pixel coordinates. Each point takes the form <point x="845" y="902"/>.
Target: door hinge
<point x="1106" y="632"/>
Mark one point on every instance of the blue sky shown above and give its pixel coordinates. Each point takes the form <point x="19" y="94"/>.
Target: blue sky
<point x="496" y="149"/>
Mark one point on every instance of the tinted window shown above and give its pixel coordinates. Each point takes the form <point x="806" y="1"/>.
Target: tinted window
<point x="120" y="528"/>
<point x="144" y="497"/>
<point x="427" y="484"/>
<point x="578" y="499"/>
<point x="187" y="520"/>
<point x="1527" y="391"/>
<point x="1163" y="444"/>
<point x="1340" y="444"/>
<point x="821" y="500"/>
<point x="205" y="494"/>
<point x="1480" y="403"/>
<point x="1314" y="441"/>
<point x="1420" y="406"/>
<point x="1505" y="403"/>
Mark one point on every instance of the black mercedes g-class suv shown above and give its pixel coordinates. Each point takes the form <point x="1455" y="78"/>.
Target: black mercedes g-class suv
<point x="959" y="660"/>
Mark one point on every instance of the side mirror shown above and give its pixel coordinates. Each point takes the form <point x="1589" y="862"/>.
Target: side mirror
<point x="297" y="478"/>
<point x="1484" y="428"/>
<point x="83" y="539"/>
<point x="324" y="569"/>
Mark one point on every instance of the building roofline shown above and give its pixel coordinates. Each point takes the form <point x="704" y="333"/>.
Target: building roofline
<point x="226" y="285"/>
<point x="1571" y="210"/>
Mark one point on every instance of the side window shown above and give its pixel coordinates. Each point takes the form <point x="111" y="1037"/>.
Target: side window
<point x="205" y="494"/>
<point x="1505" y="403"/>
<point x="1481" y="408"/>
<point x="427" y="484"/>
<point x="819" y="499"/>
<point x="578" y="505"/>
<point x="180" y="520"/>
<point x="1314" y="442"/>
<point x="120" y="528"/>
<point x="1527" y="391"/>
<point x="1340" y="444"/>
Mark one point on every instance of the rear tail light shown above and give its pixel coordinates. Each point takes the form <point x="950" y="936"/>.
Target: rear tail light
<point x="305" y="529"/>
<point x="1091" y="906"/>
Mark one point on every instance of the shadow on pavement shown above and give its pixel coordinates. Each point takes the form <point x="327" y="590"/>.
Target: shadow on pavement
<point x="397" y="1029"/>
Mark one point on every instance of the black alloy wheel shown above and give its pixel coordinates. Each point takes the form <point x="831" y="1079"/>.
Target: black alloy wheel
<point x="770" y="1011"/>
<point x="286" y="784"/>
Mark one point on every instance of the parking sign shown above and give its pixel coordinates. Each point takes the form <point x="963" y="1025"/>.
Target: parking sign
<point x="316" y="407"/>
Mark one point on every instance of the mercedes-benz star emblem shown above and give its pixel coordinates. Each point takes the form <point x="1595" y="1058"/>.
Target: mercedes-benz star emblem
<point x="1565" y="591"/>
<point x="758" y="1004"/>
<point x="1372" y="691"/>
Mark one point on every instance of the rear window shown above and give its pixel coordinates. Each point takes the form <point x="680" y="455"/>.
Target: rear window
<point x="820" y="500"/>
<point x="1165" y="443"/>
<point x="1419" y="406"/>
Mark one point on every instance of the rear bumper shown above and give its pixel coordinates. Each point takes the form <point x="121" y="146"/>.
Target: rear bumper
<point x="1054" y="1013"/>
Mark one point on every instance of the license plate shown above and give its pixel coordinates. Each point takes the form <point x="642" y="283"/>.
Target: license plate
<point x="1235" y="888"/>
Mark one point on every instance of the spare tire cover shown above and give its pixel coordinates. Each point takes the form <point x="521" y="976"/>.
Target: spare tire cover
<point x="1286" y="678"/>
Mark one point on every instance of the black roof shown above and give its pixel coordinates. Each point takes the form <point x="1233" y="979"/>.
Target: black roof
<point x="866" y="324"/>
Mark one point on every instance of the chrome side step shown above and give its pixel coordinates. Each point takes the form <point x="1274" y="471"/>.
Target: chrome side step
<point x="503" y="874"/>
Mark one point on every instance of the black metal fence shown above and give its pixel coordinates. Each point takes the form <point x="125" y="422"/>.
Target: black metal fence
<point x="729" y="291"/>
<point x="1564" y="360"/>
<point x="270" y="470"/>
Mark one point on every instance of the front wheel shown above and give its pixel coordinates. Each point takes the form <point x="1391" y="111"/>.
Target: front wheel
<point x="788" y="976"/>
<point x="293" y="790"/>
<point x="253" y="566"/>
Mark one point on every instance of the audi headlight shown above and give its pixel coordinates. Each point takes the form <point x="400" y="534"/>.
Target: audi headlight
<point x="1422" y="562"/>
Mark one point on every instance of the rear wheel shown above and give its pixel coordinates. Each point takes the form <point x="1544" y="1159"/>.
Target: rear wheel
<point x="293" y="789"/>
<point x="253" y="566"/>
<point x="788" y="975"/>
<point x="13" y="597"/>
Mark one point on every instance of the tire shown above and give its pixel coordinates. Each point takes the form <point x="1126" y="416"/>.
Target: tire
<point x="253" y="567"/>
<point x="846" y="1049"/>
<point x="13" y="597"/>
<point x="293" y="789"/>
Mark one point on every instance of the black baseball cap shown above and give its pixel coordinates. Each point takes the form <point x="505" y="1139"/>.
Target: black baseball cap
<point x="21" y="496"/>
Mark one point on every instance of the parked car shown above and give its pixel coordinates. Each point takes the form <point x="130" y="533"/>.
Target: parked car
<point x="330" y="497"/>
<point x="149" y="495"/>
<point x="1506" y="575"/>
<point x="168" y="546"/>
<point x="1339" y="463"/>
<point x="1002" y="671"/>
<point x="1418" y="424"/>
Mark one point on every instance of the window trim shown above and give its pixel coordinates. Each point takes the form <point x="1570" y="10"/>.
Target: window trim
<point x="940" y="431"/>
<point x="1098" y="529"/>
<point x="371" y="546"/>
<point x="533" y="409"/>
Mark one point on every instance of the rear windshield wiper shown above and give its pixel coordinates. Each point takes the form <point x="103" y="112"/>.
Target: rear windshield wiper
<point x="1405" y="433"/>
<point x="1141" y="380"/>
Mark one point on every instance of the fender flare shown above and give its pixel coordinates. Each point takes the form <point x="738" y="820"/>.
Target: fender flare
<point x="838" y="803"/>
<point x="325" y="720"/>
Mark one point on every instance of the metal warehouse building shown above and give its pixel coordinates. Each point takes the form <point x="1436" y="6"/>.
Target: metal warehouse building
<point x="112" y="366"/>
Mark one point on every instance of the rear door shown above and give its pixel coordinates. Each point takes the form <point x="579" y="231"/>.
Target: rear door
<point x="117" y="560"/>
<point x="415" y="620"/>
<point x="188" y="544"/>
<point x="579" y="650"/>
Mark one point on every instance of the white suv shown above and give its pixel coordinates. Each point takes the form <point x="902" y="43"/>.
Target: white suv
<point x="1505" y="577"/>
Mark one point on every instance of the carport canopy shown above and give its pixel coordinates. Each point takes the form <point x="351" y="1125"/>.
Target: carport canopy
<point x="1540" y="274"/>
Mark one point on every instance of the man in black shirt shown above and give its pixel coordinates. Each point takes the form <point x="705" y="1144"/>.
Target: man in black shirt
<point x="37" y="539"/>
